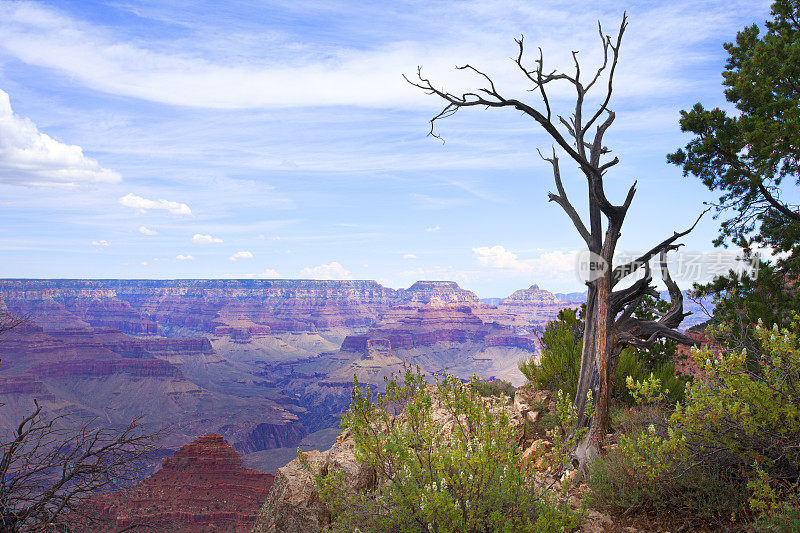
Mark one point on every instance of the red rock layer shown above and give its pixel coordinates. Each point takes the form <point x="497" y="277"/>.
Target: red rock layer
<point x="202" y="487"/>
<point x="431" y="324"/>
<point x="99" y="368"/>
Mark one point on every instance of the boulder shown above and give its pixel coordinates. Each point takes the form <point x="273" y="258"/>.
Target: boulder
<point x="294" y="505"/>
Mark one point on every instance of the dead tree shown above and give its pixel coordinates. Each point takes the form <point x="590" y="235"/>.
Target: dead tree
<point x="610" y="320"/>
<point x="49" y="468"/>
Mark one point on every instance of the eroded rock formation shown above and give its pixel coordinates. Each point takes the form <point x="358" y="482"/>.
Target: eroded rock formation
<point x="202" y="487"/>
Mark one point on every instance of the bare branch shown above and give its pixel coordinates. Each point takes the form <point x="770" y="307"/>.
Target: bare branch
<point x="610" y="86"/>
<point x="627" y="269"/>
<point x="562" y="200"/>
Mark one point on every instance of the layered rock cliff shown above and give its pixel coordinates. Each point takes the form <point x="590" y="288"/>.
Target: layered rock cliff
<point x="235" y="307"/>
<point x="202" y="487"/>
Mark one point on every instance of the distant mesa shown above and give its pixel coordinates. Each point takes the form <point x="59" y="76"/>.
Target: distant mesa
<point x="423" y="292"/>
<point x="532" y="294"/>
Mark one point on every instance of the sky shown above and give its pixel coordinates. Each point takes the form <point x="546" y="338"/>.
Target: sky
<point x="278" y="139"/>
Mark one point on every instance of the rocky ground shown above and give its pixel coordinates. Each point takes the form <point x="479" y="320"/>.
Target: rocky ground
<point x="294" y="506"/>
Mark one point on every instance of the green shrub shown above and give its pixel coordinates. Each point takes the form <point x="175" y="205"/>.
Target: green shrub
<point x="735" y="440"/>
<point x="632" y="365"/>
<point x="558" y="367"/>
<point x="748" y="405"/>
<point x="493" y="387"/>
<point x="432" y="479"/>
<point x="621" y="483"/>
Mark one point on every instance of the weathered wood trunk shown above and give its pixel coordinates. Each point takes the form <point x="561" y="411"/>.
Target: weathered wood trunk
<point x="610" y="317"/>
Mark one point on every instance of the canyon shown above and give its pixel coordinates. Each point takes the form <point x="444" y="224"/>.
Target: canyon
<point x="263" y="366"/>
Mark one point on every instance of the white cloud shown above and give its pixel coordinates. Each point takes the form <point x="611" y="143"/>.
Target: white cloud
<point x="432" y="229"/>
<point x="147" y="231"/>
<point x="101" y="242"/>
<point x="144" y="263"/>
<point x="28" y="157"/>
<point x="269" y="274"/>
<point x="275" y="239"/>
<point x="143" y="204"/>
<point x="333" y="270"/>
<point x="241" y="255"/>
<point x="498" y="257"/>
<point x="181" y="257"/>
<point x="548" y="263"/>
<point x="205" y="239"/>
<point x="409" y="256"/>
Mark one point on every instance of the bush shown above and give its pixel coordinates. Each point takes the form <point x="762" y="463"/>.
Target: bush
<point x="558" y="367"/>
<point x="447" y="462"/>
<point x="632" y="365"/>
<point x="493" y="387"/>
<point x="748" y="405"/>
<point x="620" y="482"/>
<point x="735" y="441"/>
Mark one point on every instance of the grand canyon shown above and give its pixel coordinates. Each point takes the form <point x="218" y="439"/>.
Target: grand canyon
<point x="252" y="368"/>
<point x="265" y="365"/>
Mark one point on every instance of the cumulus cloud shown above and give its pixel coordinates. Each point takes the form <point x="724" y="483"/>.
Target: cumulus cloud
<point x="432" y="229"/>
<point x="29" y="157"/>
<point x="550" y="263"/>
<point x="205" y="239"/>
<point x="409" y="256"/>
<point x="269" y="274"/>
<point x="181" y="257"/>
<point x="101" y="242"/>
<point x="147" y="231"/>
<point x="333" y="270"/>
<point x="498" y="257"/>
<point x="241" y="255"/>
<point x="143" y="204"/>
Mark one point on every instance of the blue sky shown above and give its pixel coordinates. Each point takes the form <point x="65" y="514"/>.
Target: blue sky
<point x="278" y="138"/>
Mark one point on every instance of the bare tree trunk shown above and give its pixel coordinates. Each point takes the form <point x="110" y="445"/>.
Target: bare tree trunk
<point x="610" y="322"/>
<point x="588" y="355"/>
<point x="599" y="427"/>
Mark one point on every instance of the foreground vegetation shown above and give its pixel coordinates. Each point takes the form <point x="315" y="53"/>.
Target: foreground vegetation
<point x="449" y="461"/>
<point x="718" y="449"/>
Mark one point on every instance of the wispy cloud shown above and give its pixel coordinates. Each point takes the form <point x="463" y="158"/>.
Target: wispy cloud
<point x="350" y="75"/>
<point x="241" y="255"/>
<point x="205" y="239"/>
<point x="181" y="257"/>
<point x="144" y="205"/>
<point x="101" y="242"/>
<point x="144" y="230"/>
<point x="432" y="229"/>
<point x="332" y="270"/>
